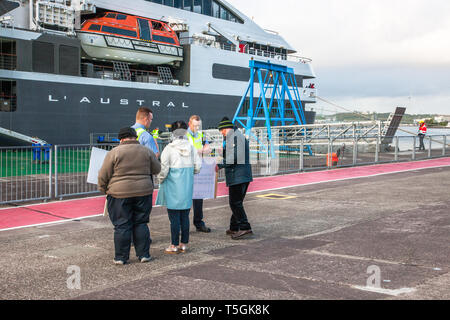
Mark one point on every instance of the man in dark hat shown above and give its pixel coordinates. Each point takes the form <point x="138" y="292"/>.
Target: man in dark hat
<point x="238" y="173"/>
<point x="126" y="179"/>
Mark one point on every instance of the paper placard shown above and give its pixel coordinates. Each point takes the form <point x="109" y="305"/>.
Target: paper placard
<point x="205" y="181"/>
<point x="95" y="164"/>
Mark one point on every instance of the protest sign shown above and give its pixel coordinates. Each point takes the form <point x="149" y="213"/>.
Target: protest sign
<point x="205" y="181"/>
<point x="95" y="164"/>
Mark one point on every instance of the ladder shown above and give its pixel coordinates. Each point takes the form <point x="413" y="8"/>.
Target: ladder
<point x="121" y="71"/>
<point x="165" y="75"/>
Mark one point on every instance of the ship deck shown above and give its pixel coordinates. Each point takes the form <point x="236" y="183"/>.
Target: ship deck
<point x="314" y="239"/>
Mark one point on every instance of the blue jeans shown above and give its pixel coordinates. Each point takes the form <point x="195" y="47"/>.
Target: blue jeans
<point x="130" y="218"/>
<point x="179" y="221"/>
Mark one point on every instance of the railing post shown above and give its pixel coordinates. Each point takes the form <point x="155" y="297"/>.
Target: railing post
<point x="355" y="151"/>
<point x="396" y="148"/>
<point x="302" y="148"/>
<point x="445" y="146"/>
<point x="377" y="149"/>
<point x="50" y="175"/>
<point x="430" y="145"/>
<point x="414" y="148"/>
<point x="329" y="155"/>
<point x="56" y="171"/>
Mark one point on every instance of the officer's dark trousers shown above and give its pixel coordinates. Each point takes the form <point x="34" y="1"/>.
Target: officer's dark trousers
<point x="197" y="205"/>
<point x="130" y="218"/>
<point x="239" y="218"/>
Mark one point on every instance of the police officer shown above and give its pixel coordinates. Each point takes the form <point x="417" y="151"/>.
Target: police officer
<point x="197" y="139"/>
<point x="144" y="118"/>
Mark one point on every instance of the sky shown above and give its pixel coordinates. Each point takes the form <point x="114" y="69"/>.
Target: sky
<point x="368" y="55"/>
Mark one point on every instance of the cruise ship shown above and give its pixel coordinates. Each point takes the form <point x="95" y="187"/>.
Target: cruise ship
<point x="70" y="70"/>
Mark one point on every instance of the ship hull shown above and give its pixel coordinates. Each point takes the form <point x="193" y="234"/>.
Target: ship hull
<point x="62" y="113"/>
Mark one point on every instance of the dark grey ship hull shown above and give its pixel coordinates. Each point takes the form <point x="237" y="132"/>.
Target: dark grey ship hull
<point x="62" y="113"/>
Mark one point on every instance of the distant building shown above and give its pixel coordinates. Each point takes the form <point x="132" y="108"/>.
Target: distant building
<point x="440" y="119"/>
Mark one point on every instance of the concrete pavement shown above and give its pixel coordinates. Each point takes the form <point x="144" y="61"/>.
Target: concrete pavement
<point x="325" y="241"/>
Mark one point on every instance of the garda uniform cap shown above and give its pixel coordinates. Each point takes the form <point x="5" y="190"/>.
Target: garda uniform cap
<point x="225" y="124"/>
<point x="127" y="133"/>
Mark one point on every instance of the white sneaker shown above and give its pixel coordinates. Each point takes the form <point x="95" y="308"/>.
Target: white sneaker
<point x="119" y="262"/>
<point x="171" y="250"/>
<point x="145" y="260"/>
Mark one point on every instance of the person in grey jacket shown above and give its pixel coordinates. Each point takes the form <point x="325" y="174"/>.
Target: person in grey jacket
<point x="126" y="177"/>
<point x="238" y="175"/>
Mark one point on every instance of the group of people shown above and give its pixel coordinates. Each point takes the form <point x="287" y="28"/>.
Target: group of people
<point x="126" y="177"/>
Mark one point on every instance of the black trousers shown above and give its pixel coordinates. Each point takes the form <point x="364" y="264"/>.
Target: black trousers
<point x="130" y="218"/>
<point x="422" y="145"/>
<point x="239" y="219"/>
<point x="197" y="205"/>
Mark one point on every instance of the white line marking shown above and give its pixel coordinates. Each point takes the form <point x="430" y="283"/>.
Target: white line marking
<point x="53" y="222"/>
<point x="45" y="203"/>
<point x="389" y="292"/>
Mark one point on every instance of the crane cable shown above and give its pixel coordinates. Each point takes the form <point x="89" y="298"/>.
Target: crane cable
<point x="348" y="110"/>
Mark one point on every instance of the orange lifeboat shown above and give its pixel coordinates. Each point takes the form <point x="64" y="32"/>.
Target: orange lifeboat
<point x="122" y="37"/>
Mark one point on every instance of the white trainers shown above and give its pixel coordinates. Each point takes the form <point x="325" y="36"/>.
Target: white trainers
<point x="182" y="248"/>
<point x="119" y="262"/>
<point x="171" y="250"/>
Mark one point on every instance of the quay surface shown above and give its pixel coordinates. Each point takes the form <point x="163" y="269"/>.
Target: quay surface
<point x="319" y="236"/>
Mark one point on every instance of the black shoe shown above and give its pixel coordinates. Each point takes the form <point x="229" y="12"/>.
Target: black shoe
<point x="242" y="234"/>
<point x="204" y="229"/>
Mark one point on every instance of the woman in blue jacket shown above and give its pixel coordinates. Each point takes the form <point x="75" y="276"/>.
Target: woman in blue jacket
<point x="179" y="162"/>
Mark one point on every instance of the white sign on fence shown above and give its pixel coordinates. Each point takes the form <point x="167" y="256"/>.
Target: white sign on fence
<point x="95" y="164"/>
<point x="205" y="182"/>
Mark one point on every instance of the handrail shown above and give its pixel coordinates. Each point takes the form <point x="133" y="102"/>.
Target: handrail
<point x="245" y="50"/>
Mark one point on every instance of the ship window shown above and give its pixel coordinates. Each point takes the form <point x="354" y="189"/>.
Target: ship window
<point x="95" y="27"/>
<point x="198" y="6"/>
<point x="207" y="7"/>
<point x="122" y="32"/>
<point x="111" y="15"/>
<point x="216" y="10"/>
<point x="121" y="17"/>
<point x="223" y="13"/>
<point x="144" y="30"/>
<point x="8" y="99"/>
<point x="158" y="26"/>
<point x="163" y="39"/>
<point x="178" y="3"/>
<point x="187" y="5"/>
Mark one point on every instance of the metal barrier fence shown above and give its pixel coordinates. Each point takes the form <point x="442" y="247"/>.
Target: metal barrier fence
<point x="43" y="173"/>
<point x="25" y="173"/>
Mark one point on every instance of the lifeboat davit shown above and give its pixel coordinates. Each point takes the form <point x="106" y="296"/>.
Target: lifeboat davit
<point x="122" y="37"/>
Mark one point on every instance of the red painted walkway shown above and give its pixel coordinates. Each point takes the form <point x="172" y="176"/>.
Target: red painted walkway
<point x="61" y="211"/>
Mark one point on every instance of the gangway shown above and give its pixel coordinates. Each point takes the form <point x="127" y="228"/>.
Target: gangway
<point x="284" y="107"/>
<point x="12" y="138"/>
<point x="392" y="124"/>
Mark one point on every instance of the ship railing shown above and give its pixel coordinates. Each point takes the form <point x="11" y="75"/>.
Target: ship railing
<point x="58" y="172"/>
<point x="8" y="61"/>
<point x="281" y="56"/>
<point x="89" y="70"/>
